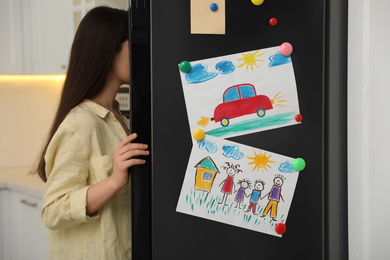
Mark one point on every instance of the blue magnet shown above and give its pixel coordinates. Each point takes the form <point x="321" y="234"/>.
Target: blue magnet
<point x="214" y="7"/>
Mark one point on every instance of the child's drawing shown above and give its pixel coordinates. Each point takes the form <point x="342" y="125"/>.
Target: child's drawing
<point x="199" y="74"/>
<point x="225" y="67"/>
<point x="241" y="194"/>
<point x="239" y="93"/>
<point x="255" y="196"/>
<point x="274" y="197"/>
<point x="232" y="151"/>
<point x="228" y="183"/>
<point x="229" y="96"/>
<point x="278" y="59"/>
<point x="205" y="174"/>
<point x="286" y="167"/>
<point x="250" y="59"/>
<point x="240" y="100"/>
<point x="226" y="190"/>
<point x="207" y="145"/>
<point x="261" y="161"/>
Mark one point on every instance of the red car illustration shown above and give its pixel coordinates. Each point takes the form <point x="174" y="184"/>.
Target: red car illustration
<point x="241" y="100"/>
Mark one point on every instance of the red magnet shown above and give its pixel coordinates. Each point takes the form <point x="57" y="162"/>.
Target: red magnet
<point x="286" y="49"/>
<point x="298" y="118"/>
<point x="280" y="228"/>
<point x="273" y="21"/>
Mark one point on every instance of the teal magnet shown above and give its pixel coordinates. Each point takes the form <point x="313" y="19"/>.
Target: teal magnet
<point x="299" y="164"/>
<point x="185" y="66"/>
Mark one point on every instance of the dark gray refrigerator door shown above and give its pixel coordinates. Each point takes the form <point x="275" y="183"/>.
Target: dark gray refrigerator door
<point x="175" y="235"/>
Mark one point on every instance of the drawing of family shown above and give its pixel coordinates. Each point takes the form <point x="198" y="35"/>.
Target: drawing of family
<point x="274" y="196"/>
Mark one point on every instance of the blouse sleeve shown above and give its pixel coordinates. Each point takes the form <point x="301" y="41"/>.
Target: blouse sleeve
<point x="67" y="172"/>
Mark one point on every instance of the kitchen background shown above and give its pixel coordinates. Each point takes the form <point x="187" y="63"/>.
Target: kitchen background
<point x="35" y="41"/>
<point x="27" y="105"/>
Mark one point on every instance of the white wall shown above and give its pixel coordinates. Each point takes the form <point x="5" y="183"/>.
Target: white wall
<point x="368" y="129"/>
<point x="27" y="108"/>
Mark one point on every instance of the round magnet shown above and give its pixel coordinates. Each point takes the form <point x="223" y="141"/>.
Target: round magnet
<point x="199" y="134"/>
<point x="299" y="164"/>
<point x="273" y="21"/>
<point x="257" y="2"/>
<point x="298" y="118"/>
<point x="214" y="7"/>
<point x="280" y="228"/>
<point x="185" y="66"/>
<point x="286" y="49"/>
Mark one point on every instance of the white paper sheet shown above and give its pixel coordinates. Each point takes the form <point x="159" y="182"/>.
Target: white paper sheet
<point x="229" y="182"/>
<point x="207" y="173"/>
<point x="268" y="72"/>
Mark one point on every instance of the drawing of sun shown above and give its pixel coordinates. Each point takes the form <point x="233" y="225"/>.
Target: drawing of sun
<point x="250" y="60"/>
<point x="276" y="100"/>
<point x="260" y="161"/>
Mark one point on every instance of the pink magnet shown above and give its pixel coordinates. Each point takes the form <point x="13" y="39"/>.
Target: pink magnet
<point x="280" y="228"/>
<point x="273" y="21"/>
<point x="298" y="118"/>
<point x="286" y="49"/>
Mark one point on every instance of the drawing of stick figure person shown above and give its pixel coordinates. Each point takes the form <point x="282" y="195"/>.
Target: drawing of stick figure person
<point x="274" y="197"/>
<point x="244" y="184"/>
<point x="228" y="183"/>
<point x="255" y="196"/>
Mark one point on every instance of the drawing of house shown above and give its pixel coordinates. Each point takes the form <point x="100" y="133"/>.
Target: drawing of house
<point x="206" y="170"/>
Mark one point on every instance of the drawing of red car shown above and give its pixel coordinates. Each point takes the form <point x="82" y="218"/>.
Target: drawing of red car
<point x="240" y="100"/>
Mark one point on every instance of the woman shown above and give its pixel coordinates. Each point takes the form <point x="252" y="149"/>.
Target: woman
<point x="86" y="159"/>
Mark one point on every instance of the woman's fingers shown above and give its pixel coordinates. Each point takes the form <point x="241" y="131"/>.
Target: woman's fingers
<point x="126" y="140"/>
<point x="127" y="145"/>
<point x="132" y="153"/>
<point x="133" y="162"/>
<point x="130" y="147"/>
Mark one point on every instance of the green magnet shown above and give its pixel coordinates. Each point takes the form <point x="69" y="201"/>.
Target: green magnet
<point x="185" y="66"/>
<point x="299" y="164"/>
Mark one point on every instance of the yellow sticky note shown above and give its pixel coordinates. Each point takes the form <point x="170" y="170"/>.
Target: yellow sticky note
<point x="205" y="21"/>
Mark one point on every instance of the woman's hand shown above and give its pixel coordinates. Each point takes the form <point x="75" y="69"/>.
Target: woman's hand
<point x="123" y="158"/>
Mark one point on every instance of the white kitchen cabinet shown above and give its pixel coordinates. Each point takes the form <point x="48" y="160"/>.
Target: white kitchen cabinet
<point x="48" y="35"/>
<point x="36" y="36"/>
<point x="81" y="7"/>
<point x="11" y="61"/>
<point x="23" y="235"/>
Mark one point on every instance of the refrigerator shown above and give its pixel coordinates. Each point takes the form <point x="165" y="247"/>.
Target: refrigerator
<point x="162" y="36"/>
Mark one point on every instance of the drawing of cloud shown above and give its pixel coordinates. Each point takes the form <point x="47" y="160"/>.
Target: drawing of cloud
<point x="208" y="145"/>
<point x="286" y="167"/>
<point x="198" y="74"/>
<point x="225" y="67"/>
<point x="232" y="151"/>
<point x="278" y="59"/>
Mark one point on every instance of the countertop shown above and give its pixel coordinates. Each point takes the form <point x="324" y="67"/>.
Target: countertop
<point x="20" y="180"/>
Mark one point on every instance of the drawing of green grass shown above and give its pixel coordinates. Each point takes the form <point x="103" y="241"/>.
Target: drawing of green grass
<point x="204" y="200"/>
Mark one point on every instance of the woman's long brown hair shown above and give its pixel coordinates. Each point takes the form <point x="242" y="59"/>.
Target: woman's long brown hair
<point x="98" y="38"/>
